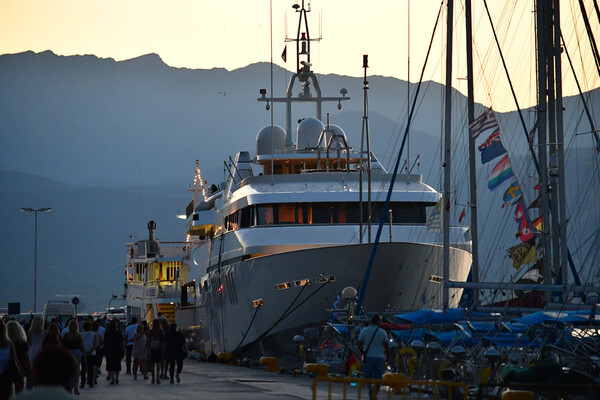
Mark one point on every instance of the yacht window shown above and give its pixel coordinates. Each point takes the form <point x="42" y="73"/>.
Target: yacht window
<point x="265" y="215"/>
<point x="246" y="219"/>
<point x="325" y="213"/>
<point x="320" y="214"/>
<point x="287" y="213"/>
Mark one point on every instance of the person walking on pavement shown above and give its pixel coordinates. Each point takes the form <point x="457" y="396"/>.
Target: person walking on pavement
<point x="73" y="342"/>
<point x="114" y="350"/>
<point x="35" y="336"/>
<point x="373" y="345"/>
<point x="129" y="332"/>
<point x="99" y="332"/>
<point x="176" y="350"/>
<point x="164" y="365"/>
<point x="156" y="339"/>
<point x="139" y="352"/>
<point x="17" y="334"/>
<point x="88" y="366"/>
<point x="10" y="369"/>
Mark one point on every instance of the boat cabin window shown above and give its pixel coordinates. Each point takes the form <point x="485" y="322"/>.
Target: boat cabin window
<point x="171" y="272"/>
<point x="324" y="213"/>
<point x="141" y="272"/>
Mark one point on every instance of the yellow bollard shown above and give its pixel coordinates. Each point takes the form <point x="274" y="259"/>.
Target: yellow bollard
<point x="320" y="369"/>
<point x="484" y="375"/>
<point x="225" y="358"/>
<point x="270" y="362"/>
<point x="395" y="381"/>
<point x="518" y="395"/>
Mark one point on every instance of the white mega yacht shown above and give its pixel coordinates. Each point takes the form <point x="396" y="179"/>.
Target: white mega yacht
<point x="274" y="245"/>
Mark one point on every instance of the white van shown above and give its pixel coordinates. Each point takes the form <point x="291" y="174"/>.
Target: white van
<point x="62" y="309"/>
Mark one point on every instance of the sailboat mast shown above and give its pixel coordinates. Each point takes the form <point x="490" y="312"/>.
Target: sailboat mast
<point x="472" y="157"/>
<point x="553" y="162"/>
<point x="541" y="109"/>
<point x="364" y="132"/>
<point x="447" y="160"/>
<point x="561" y="148"/>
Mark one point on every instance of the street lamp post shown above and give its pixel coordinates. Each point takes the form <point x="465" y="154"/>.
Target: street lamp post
<point x="43" y="209"/>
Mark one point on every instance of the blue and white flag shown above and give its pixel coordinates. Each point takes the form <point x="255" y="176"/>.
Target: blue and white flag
<point x="485" y="121"/>
<point x="434" y="218"/>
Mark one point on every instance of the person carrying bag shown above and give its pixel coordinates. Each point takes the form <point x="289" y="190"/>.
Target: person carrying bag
<point x="377" y="352"/>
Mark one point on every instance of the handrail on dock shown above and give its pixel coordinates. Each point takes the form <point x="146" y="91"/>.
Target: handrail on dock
<point x="350" y="387"/>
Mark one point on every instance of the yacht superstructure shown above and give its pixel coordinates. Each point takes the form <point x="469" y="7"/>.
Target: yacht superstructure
<point x="273" y="246"/>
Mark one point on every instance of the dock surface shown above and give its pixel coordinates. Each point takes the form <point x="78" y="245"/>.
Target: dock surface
<point x="203" y="380"/>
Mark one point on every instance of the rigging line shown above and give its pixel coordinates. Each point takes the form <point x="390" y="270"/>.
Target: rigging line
<point x="220" y="296"/>
<point x="578" y="40"/>
<point x="512" y="89"/>
<point x="247" y="330"/>
<point x="273" y="103"/>
<point x="585" y="107"/>
<point x="391" y="187"/>
<point x="590" y="34"/>
<point x="235" y="168"/>
<point x="289" y="312"/>
<point x="591" y="257"/>
<point x="233" y="182"/>
<point x="277" y="322"/>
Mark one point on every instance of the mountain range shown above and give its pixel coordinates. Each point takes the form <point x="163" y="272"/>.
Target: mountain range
<point x="110" y="145"/>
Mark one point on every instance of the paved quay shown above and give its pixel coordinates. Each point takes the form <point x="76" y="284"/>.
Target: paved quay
<point x="202" y="380"/>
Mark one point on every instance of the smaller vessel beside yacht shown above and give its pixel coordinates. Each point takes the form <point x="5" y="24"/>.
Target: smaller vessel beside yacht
<point x="152" y="270"/>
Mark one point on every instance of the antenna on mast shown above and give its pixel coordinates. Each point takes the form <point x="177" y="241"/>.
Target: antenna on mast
<point x="302" y="37"/>
<point x="304" y="75"/>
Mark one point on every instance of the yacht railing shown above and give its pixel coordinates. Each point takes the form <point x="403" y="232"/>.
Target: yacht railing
<point x="153" y="289"/>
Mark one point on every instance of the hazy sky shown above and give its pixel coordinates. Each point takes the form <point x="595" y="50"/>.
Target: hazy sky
<point x="235" y="33"/>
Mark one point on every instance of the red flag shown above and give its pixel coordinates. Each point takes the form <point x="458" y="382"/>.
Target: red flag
<point x="519" y="212"/>
<point x="462" y="215"/>
<point x="537" y="187"/>
<point x="525" y="231"/>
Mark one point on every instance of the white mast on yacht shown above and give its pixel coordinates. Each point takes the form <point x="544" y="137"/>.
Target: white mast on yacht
<point x="304" y="75"/>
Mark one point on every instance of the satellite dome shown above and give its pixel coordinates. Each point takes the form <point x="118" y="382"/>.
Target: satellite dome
<point x="338" y="131"/>
<point x="308" y="132"/>
<point x="348" y="293"/>
<point x="270" y="138"/>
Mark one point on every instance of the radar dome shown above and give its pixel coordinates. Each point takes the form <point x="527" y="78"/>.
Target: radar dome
<point x="348" y="293"/>
<point x="308" y="132"/>
<point x="270" y="138"/>
<point x="338" y="131"/>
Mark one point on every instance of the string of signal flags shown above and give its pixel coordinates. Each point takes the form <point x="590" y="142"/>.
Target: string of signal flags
<point x="491" y="149"/>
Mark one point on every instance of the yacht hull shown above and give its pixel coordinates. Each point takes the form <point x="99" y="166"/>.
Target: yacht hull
<point x="253" y="301"/>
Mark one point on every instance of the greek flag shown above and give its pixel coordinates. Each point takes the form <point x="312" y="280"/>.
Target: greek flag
<point x="485" y="121"/>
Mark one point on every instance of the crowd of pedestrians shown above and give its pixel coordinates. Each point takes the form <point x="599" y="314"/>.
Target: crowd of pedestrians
<point x="157" y="350"/>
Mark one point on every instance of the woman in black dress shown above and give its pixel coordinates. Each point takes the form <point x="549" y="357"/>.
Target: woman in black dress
<point x="176" y="350"/>
<point x="155" y="341"/>
<point x="114" y="350"/>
